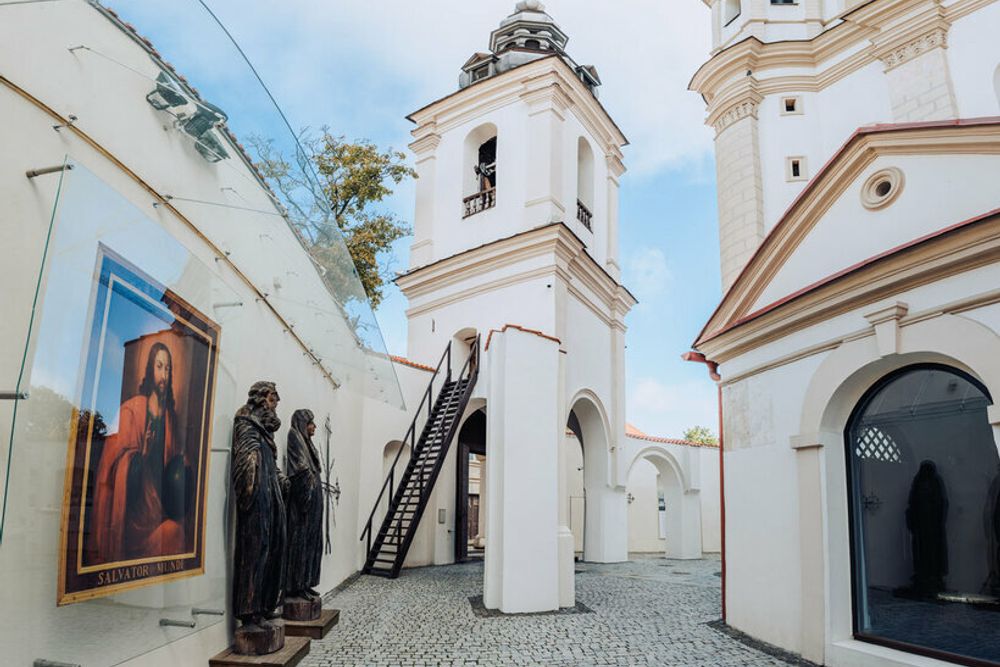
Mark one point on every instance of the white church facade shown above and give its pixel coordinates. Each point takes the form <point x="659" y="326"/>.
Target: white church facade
<point x="858" y="339"/>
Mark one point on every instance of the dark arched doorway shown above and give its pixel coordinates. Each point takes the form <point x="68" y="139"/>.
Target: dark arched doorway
<point x="470" y="530"/>
<point x="924" y="499"/>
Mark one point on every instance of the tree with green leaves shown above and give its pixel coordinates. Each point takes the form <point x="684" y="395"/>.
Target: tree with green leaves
<point x="354" y="177"/>
<point x="701" y="435"/>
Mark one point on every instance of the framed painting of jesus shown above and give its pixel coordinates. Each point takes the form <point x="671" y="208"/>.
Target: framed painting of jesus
<point x="137" y="465"/>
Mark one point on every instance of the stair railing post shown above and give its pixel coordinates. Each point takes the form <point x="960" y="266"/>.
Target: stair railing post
<point x="449" y="361"/>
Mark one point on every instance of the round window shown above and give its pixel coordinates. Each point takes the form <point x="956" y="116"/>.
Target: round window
<point x="882" y="188"/>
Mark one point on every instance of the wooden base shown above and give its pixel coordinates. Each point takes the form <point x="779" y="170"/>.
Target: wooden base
<point x="290" y="655"/>
<point x="267" y="637"/>
<point x="301" y="609"/>
<point x="314" y="629"/>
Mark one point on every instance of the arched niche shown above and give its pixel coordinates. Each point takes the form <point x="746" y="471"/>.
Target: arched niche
<point x="585" y="174"/>
<point x="479" y="164"/>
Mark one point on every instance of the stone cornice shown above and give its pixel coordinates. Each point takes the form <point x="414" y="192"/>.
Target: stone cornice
<point x="570" y="259"/>
<point x="891" y="30"/>
<point x="736" y="109"/>
<point x="905" y="48"/>
<point x="425" y="144"/>
<point x="545" y="78"/>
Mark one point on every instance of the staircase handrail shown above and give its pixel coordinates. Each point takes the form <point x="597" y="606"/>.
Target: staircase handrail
<point x="411" y="436"/>
<point x="473" y="372"/>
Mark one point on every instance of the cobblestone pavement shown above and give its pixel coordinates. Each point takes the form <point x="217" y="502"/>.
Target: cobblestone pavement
<point x="644" y="612"/>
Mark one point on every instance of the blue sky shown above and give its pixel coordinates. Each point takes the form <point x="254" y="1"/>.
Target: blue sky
<point x="361" y="67"/>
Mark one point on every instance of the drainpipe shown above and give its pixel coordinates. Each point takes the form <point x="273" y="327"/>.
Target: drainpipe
<point x="713" y="372"/>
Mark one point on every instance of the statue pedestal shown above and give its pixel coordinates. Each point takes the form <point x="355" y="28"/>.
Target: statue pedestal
<point x="301" y="609"/>
<point x="316" y="629"/>
<point x="289" y="655"/>
<point x="265" y="638"/>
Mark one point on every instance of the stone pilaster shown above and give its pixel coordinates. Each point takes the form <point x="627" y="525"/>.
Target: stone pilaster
<point x="738" y="182"/>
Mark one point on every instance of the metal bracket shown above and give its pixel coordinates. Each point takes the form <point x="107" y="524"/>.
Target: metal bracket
<point x="31" y="173"/>
<point x="42" y="662"/>
<point x="197" y="611"/>
<point x="13" y="395"/>
<point x="164" y="622"/>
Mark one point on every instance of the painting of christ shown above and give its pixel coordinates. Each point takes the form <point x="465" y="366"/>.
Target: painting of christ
<point x="138" y="455"/>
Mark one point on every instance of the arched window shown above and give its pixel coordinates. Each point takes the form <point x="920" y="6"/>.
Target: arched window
<point x="924" y="485"/>
<point x="479" y="170"/>
<point x="584" y="183"/>
<point x="730" y="10"/>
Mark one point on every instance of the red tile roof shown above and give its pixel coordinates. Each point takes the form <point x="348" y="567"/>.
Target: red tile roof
<point x="632" y="432"/>
<point x="412" y="364"/>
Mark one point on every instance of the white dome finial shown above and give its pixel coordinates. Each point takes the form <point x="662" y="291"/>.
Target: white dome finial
<point x="530" y="6"/>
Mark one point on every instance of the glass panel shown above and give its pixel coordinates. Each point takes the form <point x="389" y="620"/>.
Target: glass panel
<point x="126" y="359"/>
<point x="925" y="483"/>
<point x="345" y="339"/>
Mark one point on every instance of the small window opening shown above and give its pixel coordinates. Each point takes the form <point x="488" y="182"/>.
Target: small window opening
<point x="532" y="44"/>
<point x="795" y="168"/>
<point x="791" y="105"/>
<point x="883" y="188"/>
<point x="784" y="2"/>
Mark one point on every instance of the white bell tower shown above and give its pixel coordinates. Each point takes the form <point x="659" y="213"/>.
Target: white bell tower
<point x="516" y="239"/>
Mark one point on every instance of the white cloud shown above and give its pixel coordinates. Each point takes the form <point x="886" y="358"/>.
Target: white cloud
<point x="647" y="273"/>
<point x="667" y="410"/>
<point x="411" y="52"/>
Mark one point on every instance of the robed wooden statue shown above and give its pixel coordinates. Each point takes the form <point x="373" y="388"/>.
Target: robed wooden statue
<point x="257" y="484"/>
<point x="305" y="520"/>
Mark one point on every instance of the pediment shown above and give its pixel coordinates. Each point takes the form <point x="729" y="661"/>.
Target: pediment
<point x="476" y="59"/>
<point x="947" y="176"/>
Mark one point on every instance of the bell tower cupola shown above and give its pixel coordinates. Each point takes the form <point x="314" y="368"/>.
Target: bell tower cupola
<point x="526" y="35"/>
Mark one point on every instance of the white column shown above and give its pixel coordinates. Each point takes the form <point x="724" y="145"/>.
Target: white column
<point x="567" y="569"/>
<point x="523" y="431"/>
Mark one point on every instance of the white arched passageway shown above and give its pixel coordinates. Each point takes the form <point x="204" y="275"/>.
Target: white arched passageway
<point x="605" y="536"/>
<point x="677" y="474"/>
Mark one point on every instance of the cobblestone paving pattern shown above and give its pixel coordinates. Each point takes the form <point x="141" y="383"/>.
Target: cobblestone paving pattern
<point x="645" y="612"/>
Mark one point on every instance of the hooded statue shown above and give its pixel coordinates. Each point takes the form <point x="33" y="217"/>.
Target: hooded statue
<point x="305" y="508"/>
<point x="257" y="486"/>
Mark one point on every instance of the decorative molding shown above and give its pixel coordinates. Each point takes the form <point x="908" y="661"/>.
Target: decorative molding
<point x="745" y="106"/>
<point x="737" y="112"/>
<point x="424" y="145"/>
<point x="956" y="250"/>
<point x="934" y="38"/>
<point x="885" y="321"/>
<point x="848" y="43"/>
<point x="488" y="95"/>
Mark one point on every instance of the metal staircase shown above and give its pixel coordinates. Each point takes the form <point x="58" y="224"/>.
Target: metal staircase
<point x="407" y="500"/>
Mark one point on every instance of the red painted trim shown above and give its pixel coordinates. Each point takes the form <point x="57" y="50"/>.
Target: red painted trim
<point x="713" y="368"/>
<point x="533" y="332"/>
<point x="412" y="364"/>
<point x="909" y="245"/>
<point x="713" y="371"/>
<point x="821" y="174"/>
